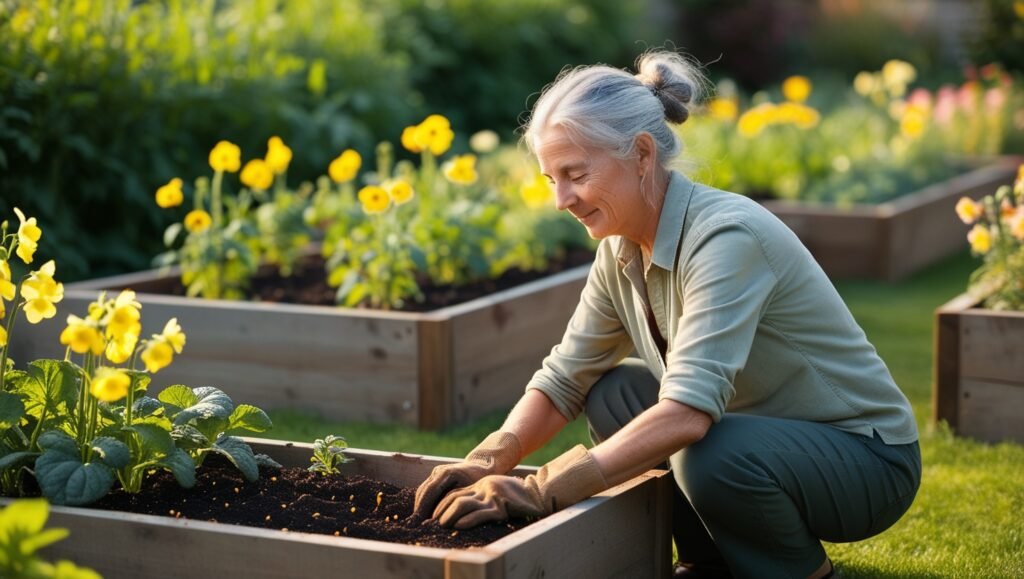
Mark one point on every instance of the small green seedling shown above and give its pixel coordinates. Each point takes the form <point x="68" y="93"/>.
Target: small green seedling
<point x="329" y="454"/>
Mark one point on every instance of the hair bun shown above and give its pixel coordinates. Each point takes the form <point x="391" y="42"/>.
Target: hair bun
<point x="667" y="77"/>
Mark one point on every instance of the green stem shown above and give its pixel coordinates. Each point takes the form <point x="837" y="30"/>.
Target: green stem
<point x="130" y="403"/>
<point x="10" y="328"/>
<point x="216" y="216"/>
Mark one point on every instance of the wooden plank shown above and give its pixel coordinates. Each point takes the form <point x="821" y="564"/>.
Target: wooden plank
<point x="435" y="372"/>
<point x="991" y="411"/>
<point x="628" y="526"/>
<point x="474" y="564"/>
<point x="892" y="240"/>
<point x="497" y="349"/>
<point x="946" y="351"/>
<point x="990" y="346"/>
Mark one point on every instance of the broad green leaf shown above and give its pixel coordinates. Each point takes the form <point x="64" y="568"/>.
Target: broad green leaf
<point x="140" y="381"/>
<point x="111" y="452"/>
<point x="154" y="440"/>
<point x="171" y="233"/>
<point x="212" y="403"/>
<point x="240" y="454"/>
<point x="146" y="406"/>
<point x="56" y="440"/>
<point x="188" y="437"/>
<point x="15" y="459"/>
<point x="65" y="480"/>
<point x="67" y="570"/>
<point x="59" y="380"/>
<point x="266" y="461"/>
<point x="158" y="420"/>
<point x="178" y="397"/>
<point x="182" y="467"/>
<point x="11" y="410"/>
<point x="251" y="418"/>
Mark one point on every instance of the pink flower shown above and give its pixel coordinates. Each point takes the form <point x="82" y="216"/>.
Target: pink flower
<point x="920" y="97"/>
<point x="945" y="105"/>
<point x="967" y="96"/>
<point x="995" y="98"/>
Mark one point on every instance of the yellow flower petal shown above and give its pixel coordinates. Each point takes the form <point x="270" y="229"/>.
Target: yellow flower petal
<point x="980" y="239"/>
<point x="156" y="356"/>
<point x="279" y="156"/>
<point x="226" y="156"/>
<point x="723" y="109"/>
<point x="374" y="199"/>
<point x="3" y="336"/>
<point x="170" y="195"/>
<point x="400" y="191"/>
<point x="109" y="385"/>
<point x="796" y="88"/>
<point x="968" y="210"/>
<point x="461" y="169"/>
<point x="197" y="221"/>
<point x="537" y="193"/>
<point x="345" y="167"/>
<point x="257" y="175"/>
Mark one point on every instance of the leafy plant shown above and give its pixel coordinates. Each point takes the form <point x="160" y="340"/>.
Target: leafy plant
<point x="998" y="237"/>
<point x="201" y="419"/>
<point x="22" y="535"/>
<point x="329" y="455"/>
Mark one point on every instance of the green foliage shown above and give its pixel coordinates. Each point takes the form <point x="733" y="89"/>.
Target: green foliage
<point x="1002" y="40"/>
<point x="998" y="237"/>
<point x="22" y="535"/>
<point x="328" y="455"/>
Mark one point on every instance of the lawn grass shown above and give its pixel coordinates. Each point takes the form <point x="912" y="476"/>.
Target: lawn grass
<point x="968" y="519"/>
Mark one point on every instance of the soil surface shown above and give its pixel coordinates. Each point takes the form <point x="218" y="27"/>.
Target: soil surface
<point x="308" y="284"/>
<point x="295" y="499"/>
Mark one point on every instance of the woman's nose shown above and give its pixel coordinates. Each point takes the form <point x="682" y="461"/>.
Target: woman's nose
<point x="564" y="197"/>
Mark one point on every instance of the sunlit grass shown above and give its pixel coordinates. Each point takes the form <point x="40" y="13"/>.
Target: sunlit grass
<point x="968" y="519"/>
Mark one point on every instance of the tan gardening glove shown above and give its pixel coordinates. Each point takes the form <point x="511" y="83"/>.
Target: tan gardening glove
<point x="497" y="454"/>
<point x="565" y="481"/>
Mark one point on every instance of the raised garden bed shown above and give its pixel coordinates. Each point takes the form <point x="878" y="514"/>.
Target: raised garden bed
<point x="623" y="531"/>
<point x="892" y="240"/>
<point x="428" y="370"/>
<point x="979" y="371"/>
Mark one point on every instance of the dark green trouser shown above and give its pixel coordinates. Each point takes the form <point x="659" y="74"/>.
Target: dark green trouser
<point x="760" y="493"/>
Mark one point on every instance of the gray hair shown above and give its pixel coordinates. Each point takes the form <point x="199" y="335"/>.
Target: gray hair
<point x="607" y="107"/>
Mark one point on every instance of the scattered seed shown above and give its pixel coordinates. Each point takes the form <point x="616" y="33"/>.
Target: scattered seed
<point x="379" y="497"/>
<point x="316" y="515"/>
<point x="350" y="497"/>
<point x="177" y="515"/>
<point x="337" y="533"/>
<point x="417" y="543"/>
<point x="396" y="517"/>
<point x="267" y="519"/>
<point x="284" y="506"/>
<point x="454" y="533"/>
<point x="353" y="509"/>
<point x="236" y="490"/>
<point x="345" y="530"/>
<point x="170" y="512"/>
<point x="285" y="529"/>
<point x="332" y="497"/>
<point x="226" y="505"/>
<point x="214" y="483"/>
<point x="273" y="479"/>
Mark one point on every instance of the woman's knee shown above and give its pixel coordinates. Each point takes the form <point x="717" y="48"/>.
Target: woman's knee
<point x="620" y="395"/>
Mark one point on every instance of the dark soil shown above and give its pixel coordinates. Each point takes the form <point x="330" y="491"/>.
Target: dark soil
<point x="308" y="284"/>
<point x="295" y="499"/>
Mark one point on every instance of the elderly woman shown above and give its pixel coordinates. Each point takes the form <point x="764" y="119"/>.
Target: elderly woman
<point x="780" y="422"/>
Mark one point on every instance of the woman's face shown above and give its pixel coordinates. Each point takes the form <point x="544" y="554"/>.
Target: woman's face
<point x="601" y="191"/>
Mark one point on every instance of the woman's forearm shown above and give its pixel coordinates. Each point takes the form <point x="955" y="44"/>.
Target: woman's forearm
<point x="534" y="420"/>
<point x="649" y="439"/>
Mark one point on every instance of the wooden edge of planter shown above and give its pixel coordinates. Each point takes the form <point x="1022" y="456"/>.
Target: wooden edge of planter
<point x="947" y="359"/>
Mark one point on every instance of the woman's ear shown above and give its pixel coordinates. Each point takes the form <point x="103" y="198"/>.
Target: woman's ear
<point x="646" y="152"/>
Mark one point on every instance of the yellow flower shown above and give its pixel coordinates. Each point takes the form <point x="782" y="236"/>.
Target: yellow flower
<point x="123" y="319"/>
<point x="28" y="236"/>
<point x="1018" y="8"/>
<point x="118" y="351"/>
<point x="257" y="175"/>
<point x="345" y="167"/>
<point x="536" y="193"/>
<point x="109" y="384"/>
<point x="197" y="221"/>
<point x="754" y="120"/>
<point x="172" y="335"/>
<point x="409" y="139"/>
<point x="7" y="287"/>
<point x="279" y="156"/>
<point x="796" y="88"/>
<point x="461" y="169"/>
<point x="157" y="355"/>
<point x="41" y="292"/>
<point x="400" y="191"/>
<point x="226" y="156"/>
<point x="1018" y="184"/>
<point x="484" y="141"/>
<point x="723" y="109"/>
<point x="980" y="239"/>
<point x="896" y="75"/>
<point x="374" y="199"/>
<point x="865" y="83"/>
<point x="3" y="336"/>
<point x="170" y="195"/>
<point x="914" y="121"/>
<point x="968" y="210"/>
<point x="434" y="134"/>
<point x="82" y="336"/>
